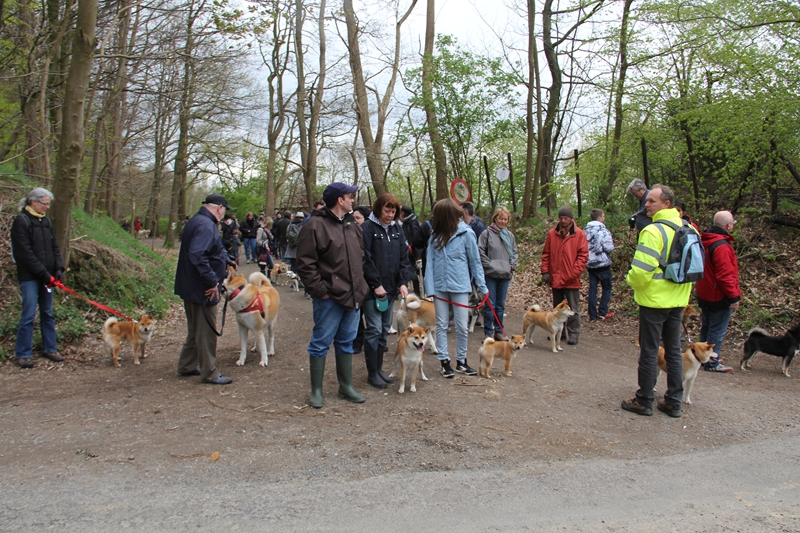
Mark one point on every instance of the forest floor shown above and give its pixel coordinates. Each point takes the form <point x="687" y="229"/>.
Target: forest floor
<point x="84" y="415"/>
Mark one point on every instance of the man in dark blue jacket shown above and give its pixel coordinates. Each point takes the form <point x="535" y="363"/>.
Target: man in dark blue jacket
<point x="202" y="266"/>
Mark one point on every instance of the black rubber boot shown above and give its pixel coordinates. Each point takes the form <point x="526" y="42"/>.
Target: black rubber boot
<point x="316" y="366"/>
<point x="373" y="377"/>
<point x="383" y="376"/>
<point x="344" y="372"/>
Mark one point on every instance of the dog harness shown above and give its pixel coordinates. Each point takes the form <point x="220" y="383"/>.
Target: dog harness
<point x="255" y="305"/>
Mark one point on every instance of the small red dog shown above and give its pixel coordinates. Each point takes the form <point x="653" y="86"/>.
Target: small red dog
<point x="138" y="333"/>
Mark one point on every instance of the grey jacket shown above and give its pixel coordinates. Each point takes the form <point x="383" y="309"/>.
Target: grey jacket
<point x="600" y="244"/>
<point x="494" y="255"/>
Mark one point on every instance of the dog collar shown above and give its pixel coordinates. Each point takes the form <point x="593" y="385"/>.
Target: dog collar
<point x="235" y="293"/>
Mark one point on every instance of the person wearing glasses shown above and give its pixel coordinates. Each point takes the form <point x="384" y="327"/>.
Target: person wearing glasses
<point x="202" y="265"/>
<point x="39" y="264"/>
<point x="718" y="292"/>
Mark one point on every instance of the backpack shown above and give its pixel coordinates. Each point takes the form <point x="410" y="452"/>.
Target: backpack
<point x="292" y="233"/>
<point x="685" y="260"/>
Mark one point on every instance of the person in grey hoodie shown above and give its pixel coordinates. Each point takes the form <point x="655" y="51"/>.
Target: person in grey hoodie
<point x="498" y="250"/>
<point x="599" y="266"/>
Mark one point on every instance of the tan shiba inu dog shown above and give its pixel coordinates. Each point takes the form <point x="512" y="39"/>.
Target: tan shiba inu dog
<point x="137" y="333"/>
<point x="503" y="349"/>
<point x="693" y="358"/>
<point x="256" y="306"/>
<point x="552" y="322"/>
<point x="409" y="355"/>
<point x="421" y="312"/>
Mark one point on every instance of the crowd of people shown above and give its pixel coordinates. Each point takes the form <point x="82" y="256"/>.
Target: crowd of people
<point x="355" y="262"/>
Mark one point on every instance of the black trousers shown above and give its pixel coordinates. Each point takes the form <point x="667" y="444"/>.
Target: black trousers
<point x="655" y="326"/>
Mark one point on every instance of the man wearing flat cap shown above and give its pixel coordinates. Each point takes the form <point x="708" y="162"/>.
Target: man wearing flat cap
<point x="202" y="263"/>
<point x="564" y="258"/>
<point x="330" y="257"/>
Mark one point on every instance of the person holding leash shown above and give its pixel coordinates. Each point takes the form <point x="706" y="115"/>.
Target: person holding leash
<point x="35" y="251"/>
<point x="202" y="263"/>
<point x="498" y="249"/>
<point x="387" y="269"/>
<point x="453" y="259"/>
<point x="330" y="263"/>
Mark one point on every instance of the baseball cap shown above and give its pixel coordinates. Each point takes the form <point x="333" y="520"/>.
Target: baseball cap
<point x="218" y="199"/>
<point x="336" y="190"/>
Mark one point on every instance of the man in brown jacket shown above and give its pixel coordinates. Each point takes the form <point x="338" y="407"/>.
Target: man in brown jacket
<point x="564" y="258"/>
<point x="330" y="257"/>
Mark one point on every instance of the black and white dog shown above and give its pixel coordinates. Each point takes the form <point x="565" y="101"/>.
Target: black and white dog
<point x="786" y="346"/>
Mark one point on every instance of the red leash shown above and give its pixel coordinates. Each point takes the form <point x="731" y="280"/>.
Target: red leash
<point x="484" y="301"/>
<point x="60" y="285"/>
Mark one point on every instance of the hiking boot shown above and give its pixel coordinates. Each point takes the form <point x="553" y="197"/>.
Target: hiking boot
<point x="718" y="368"/>
<point x="24" y="362"/>
<point x="673" y="410"/>
<point x="572" y="341"/>
<point x="500" y="337"/>
<point x="447" y="371"/>
<point x="463" y="368"/>
<point x="634" y="406"/>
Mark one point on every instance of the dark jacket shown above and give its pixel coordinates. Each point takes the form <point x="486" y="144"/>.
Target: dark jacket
<point x="280" y="230"/>
<point x="330" y="258"/>
<point x="411" y="228"/>
<point x="249" y="228"/>
<point x="227" y="233"/>
<point x="642" y="219"/>
<point x="477" y="225"/>
<point x="202" y="258"/>
<point x="386" y="260"/>
<point x="35" y="248"/>
<point x="720" y="284"/>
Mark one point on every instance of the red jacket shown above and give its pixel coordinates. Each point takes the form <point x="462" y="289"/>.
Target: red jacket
<point x="720" y="284"/>
<point x="565" y="258"/>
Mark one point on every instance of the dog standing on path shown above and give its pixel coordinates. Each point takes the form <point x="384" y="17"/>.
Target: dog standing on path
<point x="137" y="333"/>
<point x="505" y="350"/>
<point x="410" y="348"/>
<point x="255" y="303"/>
<point x="785" y="346"/>
<point x="550" y="321"/>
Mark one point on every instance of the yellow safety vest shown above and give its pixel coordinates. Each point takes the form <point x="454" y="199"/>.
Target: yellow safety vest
<point x="650" y="289"/>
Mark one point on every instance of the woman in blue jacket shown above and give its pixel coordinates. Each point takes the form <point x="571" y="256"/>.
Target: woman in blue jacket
<point x="453" y="260"/>
<point x="387" y="270"/>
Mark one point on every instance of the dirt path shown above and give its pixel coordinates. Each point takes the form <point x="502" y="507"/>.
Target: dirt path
<point x="86" y="416"/>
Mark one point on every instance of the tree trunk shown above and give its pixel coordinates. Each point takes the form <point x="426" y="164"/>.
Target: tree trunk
<point x="371" y="148"/>
<point x="439" y="155"/>
<point x="533" y="96"/>
<point x="72" y="133"/>
<point x="553" y="103"/>
<point x="614" y="164"/>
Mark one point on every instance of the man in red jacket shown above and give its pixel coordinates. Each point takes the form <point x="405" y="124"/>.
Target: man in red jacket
<point x="564" y="258"/>
<point x="718" y="292"/>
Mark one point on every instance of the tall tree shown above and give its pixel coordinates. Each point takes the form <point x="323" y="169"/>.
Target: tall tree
<point x="439" y="156"/>
<point x="70" y="144"/>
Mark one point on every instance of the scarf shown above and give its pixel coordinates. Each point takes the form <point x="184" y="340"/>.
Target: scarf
<point x="33" y="212"/>
<point x="505" y="237"/>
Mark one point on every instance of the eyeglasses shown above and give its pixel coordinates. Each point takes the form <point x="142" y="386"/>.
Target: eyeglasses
<point x="42" y="203"/>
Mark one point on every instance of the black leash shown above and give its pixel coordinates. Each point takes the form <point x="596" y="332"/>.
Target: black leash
<point x="222" y="294"/>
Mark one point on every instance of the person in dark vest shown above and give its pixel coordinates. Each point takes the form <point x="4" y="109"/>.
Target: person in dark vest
<point x="39" y="265"/>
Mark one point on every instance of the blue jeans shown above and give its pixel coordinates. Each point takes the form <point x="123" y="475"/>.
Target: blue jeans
<point x="460" y="319"/>
<point x="498" y="288"/>
<point x="602" y="276"/>
<point x="250" y="248"/>
<point x="377" y="324"/>
<point x="715" y="325"/>
<point x="332" y="323"/>
<point x="34" y="293"/>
